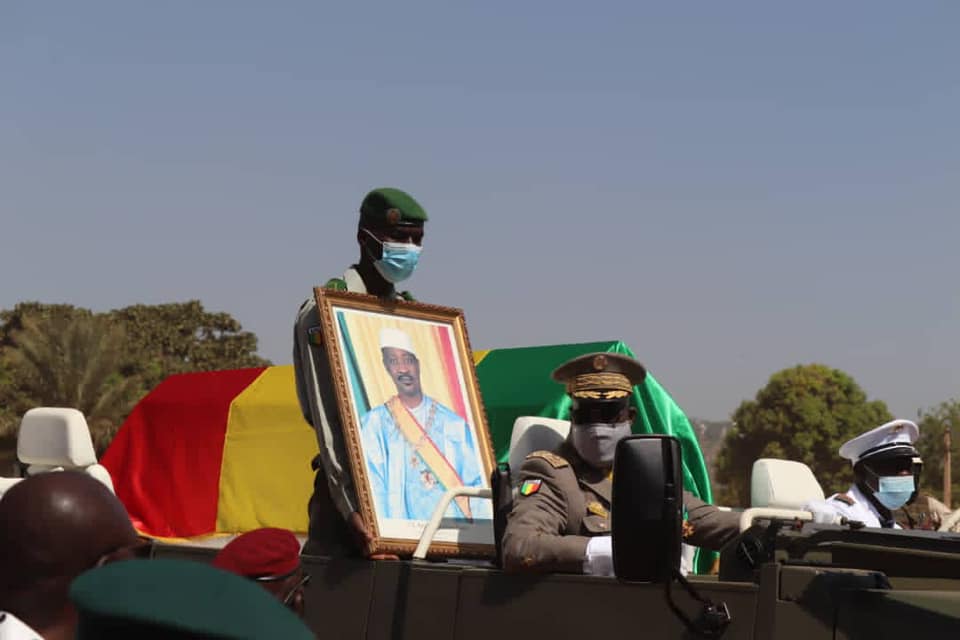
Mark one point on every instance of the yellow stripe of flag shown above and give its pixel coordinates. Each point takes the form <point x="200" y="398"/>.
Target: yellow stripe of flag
<point x="265" y="475"/>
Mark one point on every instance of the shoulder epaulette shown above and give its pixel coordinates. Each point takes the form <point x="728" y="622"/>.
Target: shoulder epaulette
<point x="406" y="295"/>
<point x="337" y="284"/>
<point x="844" y="498"/>
<point x="557" y="462"/>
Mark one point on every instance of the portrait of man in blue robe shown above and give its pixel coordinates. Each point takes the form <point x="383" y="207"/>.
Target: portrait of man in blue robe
<point x="415" y="447"/>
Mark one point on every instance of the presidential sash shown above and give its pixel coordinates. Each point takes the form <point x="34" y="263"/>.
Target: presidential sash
<point x="428" y="451"/>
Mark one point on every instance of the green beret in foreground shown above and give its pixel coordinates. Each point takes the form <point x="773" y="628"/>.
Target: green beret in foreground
<point x="387" y="207"/>
<point x="168" y="598"/>
<point x="600" y="376"/>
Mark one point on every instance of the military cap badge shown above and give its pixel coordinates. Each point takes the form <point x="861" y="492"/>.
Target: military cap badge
<point x="393" y="215"/>
<point x="600" y="363"/>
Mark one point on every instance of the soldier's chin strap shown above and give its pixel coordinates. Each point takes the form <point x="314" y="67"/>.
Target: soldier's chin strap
<point x="714" y="617"/>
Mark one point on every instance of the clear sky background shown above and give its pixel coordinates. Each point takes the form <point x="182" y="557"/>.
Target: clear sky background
<point x="731" y="188"/>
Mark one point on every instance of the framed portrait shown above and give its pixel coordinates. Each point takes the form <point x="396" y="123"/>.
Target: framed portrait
<point x="413" y="420"/>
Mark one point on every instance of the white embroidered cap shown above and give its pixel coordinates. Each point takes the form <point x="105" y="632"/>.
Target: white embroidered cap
<point x="902" y="433"/>
<point x="397" y="339"/>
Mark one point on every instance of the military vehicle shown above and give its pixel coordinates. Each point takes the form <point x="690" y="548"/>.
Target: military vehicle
<point x="782" y="578"/>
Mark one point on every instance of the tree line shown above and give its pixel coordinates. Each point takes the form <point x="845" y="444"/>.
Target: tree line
<point x="104" y="363"/>
<point x="805" y="413"/>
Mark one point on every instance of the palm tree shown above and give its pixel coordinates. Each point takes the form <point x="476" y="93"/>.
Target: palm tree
<point x="74" y="362"/>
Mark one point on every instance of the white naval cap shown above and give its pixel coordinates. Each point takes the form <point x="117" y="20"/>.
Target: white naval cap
<point x="887" y="436"/>
<point x="397" y="339"/>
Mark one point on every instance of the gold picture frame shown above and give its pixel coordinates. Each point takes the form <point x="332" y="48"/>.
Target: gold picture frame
<point x="413" y="420"/>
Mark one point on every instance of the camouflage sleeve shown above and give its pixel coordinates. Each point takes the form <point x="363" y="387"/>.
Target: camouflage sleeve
<point x="534" y="539"/>
<point x="709" y="527"/>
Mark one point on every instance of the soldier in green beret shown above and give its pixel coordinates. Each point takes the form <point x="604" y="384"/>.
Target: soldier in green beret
<point x="390" y="235"/>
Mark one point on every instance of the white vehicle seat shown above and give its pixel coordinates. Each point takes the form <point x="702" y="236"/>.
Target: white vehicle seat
<point x="55" y="439"/>
<point x="783" y="484"/>
<point x="531" y="433"/>
<point x="779" y="489"/>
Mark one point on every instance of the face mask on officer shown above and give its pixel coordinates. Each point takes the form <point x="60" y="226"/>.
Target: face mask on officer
<point x="894" y="491"/>
<point x="398" y="259"/>
<point x="596" y="428"/>
<point x="892" y="480"/>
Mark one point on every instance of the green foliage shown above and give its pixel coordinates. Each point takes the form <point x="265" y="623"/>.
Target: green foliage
<point x="932" y="425"/>
<point x="103" y="363"/>
<point x="176" y="338"/>
<point x="803" y="413"/>
<point x="73" y="362"/>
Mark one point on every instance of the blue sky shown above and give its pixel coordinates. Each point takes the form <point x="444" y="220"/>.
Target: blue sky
<point x="731" y="188"/>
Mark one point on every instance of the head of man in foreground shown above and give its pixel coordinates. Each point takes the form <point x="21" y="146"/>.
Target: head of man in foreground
<point x="54" y="526"/>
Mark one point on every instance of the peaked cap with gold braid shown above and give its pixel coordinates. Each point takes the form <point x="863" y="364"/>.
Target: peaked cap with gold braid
<point x="600" y="376"/>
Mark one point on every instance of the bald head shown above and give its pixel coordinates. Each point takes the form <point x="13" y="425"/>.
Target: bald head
<point x="53" y="526"/>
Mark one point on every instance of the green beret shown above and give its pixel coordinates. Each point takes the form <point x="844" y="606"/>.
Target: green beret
<point x="167" y="598"/>
<point x="600" y="376"/>
<point x="387" y="207"/>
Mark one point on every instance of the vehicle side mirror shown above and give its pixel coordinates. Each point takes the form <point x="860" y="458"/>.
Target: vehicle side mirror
<point x="647" y="508"/>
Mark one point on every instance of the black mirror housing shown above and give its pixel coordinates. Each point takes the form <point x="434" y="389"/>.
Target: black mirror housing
<point x="647" y="511"/>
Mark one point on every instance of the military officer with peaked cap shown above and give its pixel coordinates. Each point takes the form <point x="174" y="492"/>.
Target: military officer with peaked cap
<point x="390" y="234"/>
<point x="560" y="520"/>
<point x="886" y="469"/>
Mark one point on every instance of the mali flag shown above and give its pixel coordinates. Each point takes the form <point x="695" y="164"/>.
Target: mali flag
<point x="217" y="452"/>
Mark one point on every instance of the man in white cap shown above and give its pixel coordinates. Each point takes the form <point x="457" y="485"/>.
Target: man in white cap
<point x="886" y="469"/>
<point x="415" y="447"/>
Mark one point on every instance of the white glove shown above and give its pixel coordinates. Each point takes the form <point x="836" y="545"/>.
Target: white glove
<point x="686" y="559"/>
<point x="599" y="557"/>
<point x="822" y="512"/>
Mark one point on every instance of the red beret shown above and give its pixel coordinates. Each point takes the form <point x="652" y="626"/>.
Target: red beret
<point x="260" y="553"/>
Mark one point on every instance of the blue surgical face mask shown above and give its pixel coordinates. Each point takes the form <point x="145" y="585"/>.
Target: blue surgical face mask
<point x="894" y="491"/>
<point x="398" y="261"/>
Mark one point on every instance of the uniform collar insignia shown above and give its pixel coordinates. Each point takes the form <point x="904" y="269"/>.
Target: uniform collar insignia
<point x="597" y="509"/>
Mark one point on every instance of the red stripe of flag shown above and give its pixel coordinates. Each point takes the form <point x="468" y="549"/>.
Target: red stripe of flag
<point x="165" y="460"/>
